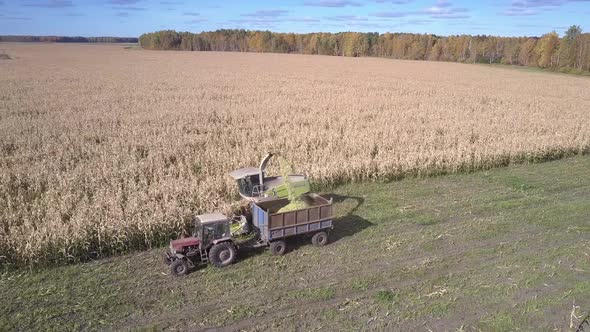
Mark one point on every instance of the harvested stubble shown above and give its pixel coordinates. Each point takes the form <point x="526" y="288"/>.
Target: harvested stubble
<point x="104" y="150"/>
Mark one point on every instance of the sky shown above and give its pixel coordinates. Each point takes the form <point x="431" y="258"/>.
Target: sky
<point x="131" y="18"/>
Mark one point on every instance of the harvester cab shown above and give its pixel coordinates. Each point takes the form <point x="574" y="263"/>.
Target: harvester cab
<point x="255" y="186"/>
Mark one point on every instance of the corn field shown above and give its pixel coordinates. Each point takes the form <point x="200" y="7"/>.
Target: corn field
<point x="104" y="149"/>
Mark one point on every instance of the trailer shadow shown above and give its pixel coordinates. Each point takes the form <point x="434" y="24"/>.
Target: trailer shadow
<point x="350" y="223"/>
<point x="344" y="226"/>
<point x="348" y="226"/>
<point x="339" y="199"/>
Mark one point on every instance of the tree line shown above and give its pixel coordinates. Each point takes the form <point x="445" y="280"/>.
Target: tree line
<point x="570" y="53"/>
<point x="65" y="39"/>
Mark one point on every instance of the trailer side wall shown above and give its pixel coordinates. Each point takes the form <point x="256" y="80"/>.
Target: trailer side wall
<point x="273" y="226"/>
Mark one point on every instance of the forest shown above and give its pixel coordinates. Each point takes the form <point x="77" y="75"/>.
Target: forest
<point x="569" y="53"/>
<point x="65" y="39"/>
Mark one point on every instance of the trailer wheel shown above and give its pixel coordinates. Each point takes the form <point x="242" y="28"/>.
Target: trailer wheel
<point x="222" y="254"/>
<point x="278" y="247"/>
<point x="179" y="267"/>
<point x="319" y="239"/>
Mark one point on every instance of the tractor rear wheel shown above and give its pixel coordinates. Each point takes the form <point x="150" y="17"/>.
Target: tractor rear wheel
<point x="179" y="267"/>
<point x="319" y="239"/>
<point x="278" y="247"/>
<point x="222" y="254"/>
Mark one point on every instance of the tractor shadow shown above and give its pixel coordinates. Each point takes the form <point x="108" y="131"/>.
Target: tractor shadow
<point x="247" y="251"/>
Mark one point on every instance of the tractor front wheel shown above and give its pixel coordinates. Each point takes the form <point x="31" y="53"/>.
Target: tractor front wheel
<point x="179" y="267"/>
<point x="222" y="254"/>
<point x="278" y="247"/>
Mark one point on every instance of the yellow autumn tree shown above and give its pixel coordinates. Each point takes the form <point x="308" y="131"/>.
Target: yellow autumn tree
<point x="547" y="50"/>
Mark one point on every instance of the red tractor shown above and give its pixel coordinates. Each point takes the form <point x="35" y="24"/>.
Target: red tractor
<point x="211" y="241"/>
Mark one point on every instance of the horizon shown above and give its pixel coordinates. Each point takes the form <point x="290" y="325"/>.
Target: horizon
<point x="131" y="18"/>
<point x="297" y="33"/>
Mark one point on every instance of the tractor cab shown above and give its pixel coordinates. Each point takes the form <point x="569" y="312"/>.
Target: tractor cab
<point x="210" y="228"/>
<point x="210" y="242"/>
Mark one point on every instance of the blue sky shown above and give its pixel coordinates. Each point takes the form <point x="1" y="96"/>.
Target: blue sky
<point x="442" y="17"/>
